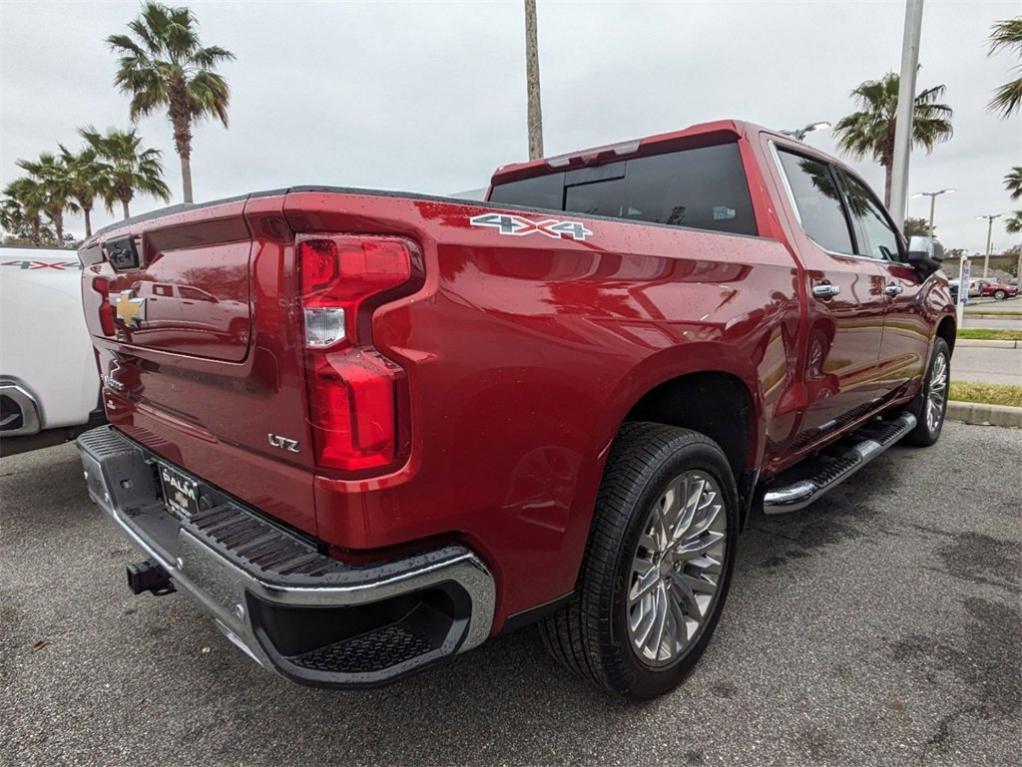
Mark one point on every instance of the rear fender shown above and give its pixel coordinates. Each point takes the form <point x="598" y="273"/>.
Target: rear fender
<point x="669" y="364"/>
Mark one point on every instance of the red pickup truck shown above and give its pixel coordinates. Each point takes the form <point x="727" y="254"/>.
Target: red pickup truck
<point x="370" y="430"/>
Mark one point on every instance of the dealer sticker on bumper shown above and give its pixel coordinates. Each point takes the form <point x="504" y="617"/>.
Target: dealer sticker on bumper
<point x="180" y="493"/>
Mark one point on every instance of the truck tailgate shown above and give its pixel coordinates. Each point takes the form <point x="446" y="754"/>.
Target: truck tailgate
<point x="198" y="346"/>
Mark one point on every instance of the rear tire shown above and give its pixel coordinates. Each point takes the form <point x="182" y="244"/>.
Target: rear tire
<point x="657" y="567"/>
<point x="930" y="405"/>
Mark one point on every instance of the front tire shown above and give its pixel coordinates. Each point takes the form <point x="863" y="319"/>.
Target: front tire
<point x="930" y="405"/>
<point x="657" y="567"/>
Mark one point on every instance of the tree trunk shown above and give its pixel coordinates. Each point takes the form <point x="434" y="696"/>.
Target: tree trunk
<point x="87" y="211"/>
<point x="37" y="240"/>
<point x="535" y="112"/>
<point x="186" y="176"/>
<point x="180" y="120"/>
<point x="58" y="226"/>
<point x="124" y="203"/>
<point x="887" y="160"/>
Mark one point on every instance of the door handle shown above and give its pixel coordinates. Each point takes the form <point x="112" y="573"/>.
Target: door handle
<point x="893" y="290"/>
<point x="826" y="290"/>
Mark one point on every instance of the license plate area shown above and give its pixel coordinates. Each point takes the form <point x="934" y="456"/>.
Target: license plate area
<point x="180" y="492"/>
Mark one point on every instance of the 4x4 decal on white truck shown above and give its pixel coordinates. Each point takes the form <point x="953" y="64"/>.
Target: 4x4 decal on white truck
<point x="516" y="226"/>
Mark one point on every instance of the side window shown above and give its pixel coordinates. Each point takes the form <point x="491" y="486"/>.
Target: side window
<point x="817" y="201"/>
<point x="194" y="294"/>
<point x="877" y="238"/>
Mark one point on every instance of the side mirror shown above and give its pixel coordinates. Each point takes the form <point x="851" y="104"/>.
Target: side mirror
<point x="925" y="253"/>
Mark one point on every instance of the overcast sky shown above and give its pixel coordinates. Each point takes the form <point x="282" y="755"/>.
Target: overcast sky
<point x="430" y="97"/>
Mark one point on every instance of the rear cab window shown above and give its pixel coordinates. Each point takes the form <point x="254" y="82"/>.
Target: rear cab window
<point x="701" y="188"/>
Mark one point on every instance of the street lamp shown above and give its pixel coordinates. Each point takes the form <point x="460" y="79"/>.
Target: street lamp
<point x="933" y="199"/>
<point x="989" y="218"/>
<point x="801" y="133"/>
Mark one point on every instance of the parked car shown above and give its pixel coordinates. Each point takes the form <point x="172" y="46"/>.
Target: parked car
<point x="49" y="387"/>
<point x="446" y="419"/>
<point x="999" y="290"/>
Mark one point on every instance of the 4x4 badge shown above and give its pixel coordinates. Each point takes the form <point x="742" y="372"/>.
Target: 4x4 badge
<point x="516" y="226"/>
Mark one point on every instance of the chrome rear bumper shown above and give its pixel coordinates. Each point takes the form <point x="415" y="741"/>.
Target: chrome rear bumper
<point x="277" y="597"/>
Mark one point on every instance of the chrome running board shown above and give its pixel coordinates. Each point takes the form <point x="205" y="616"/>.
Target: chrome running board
<point x="830" y="469"/>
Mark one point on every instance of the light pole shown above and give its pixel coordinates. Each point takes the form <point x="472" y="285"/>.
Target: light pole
<point x="990" y="233"/>
<point x="800" y="134"/>
<point x="906" y="103"/>
<point x="933" y="199"/>
<point x="535" y="118"/>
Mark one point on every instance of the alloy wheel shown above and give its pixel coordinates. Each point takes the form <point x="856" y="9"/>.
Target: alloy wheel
<point x="676" y="568"/>
<point x="936" y="392"/>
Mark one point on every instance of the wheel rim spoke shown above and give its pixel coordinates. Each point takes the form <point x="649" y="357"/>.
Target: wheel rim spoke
<point x="644" y="584"/>
<point x="676" y="568"/>
<point x="692" y="547"/>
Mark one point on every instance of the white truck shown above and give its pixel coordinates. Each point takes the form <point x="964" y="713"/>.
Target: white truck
<point x="49" y="387"/>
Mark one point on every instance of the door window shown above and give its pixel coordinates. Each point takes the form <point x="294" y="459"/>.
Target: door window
<point x="876" y="237"/>
<point x="818" y="202"/>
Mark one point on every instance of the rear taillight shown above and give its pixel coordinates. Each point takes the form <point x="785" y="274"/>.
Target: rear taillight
<point x="353" y="389"/>
<point x="106" y="309"/>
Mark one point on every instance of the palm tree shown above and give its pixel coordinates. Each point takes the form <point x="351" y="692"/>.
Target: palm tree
<point x="1008" y="34"/>
<point x="12" y="217"/>
<point x="28" y="195"/>
<point x="1013" y="182"/>
<point x="13" y="220"/>
<point x="89" y="179"/>
<point x="54" y="179"/>
<point x="870" y="131"/>
<point x="129" y="168"/>
<point x="166" y="66"/>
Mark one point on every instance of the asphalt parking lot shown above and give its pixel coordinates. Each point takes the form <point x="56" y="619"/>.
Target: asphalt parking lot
<point x="881" y="626"/>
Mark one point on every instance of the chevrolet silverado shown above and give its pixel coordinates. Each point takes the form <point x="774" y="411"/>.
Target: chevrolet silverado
<point x="366" y="431"/>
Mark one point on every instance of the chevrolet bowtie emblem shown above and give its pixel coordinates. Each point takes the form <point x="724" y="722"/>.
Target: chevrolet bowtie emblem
<point x="130" y="308"/>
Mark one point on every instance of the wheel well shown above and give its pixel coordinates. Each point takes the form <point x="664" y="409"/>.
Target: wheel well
<point x="715" y="404"/>
<point x="946" y="330"/>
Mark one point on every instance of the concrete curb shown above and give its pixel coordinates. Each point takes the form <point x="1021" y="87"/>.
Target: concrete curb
<point x="992" y="316"/>
<point x="989" y="343"/>
<point x="985" y="415"/>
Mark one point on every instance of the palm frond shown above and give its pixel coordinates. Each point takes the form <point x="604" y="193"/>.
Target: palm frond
<point x="1014" y="222"/>
<point x="125" y="45"/>
<point x="1007" y="98"/>
<point x="209" y="96"/>
<point x="1007" y="34"/>
<point x="1013" y="182"/>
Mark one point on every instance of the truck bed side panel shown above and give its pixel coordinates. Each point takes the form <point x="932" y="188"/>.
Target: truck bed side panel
<point x="525" y="353"/>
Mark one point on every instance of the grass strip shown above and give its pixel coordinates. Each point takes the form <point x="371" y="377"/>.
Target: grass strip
<point x="990" y="334"/>
<point x="987" y="394"/>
